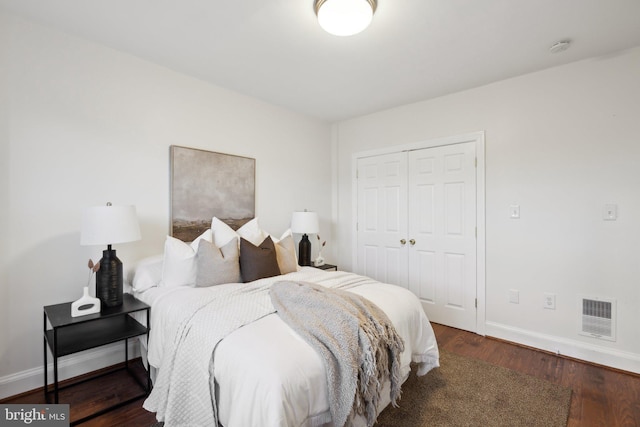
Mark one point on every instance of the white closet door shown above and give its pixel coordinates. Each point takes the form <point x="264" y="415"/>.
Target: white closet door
<point x="382" y="217"/>
<point x="442" y="233"/>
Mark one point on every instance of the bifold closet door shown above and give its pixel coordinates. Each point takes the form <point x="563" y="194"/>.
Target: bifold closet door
<point x="382" y="217"/>
<point x="416" y="227"/>
<point x="442" y="232"/>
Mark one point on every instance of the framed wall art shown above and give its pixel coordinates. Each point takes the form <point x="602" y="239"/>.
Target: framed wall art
<point x="205" y="184"/>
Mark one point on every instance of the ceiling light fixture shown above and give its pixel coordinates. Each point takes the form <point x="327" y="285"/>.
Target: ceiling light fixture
<point x="344" y="17"/>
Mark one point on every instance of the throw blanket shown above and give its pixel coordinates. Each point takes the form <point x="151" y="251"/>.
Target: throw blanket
<point x="356" y="340"/>
<point x="182" y="395"/>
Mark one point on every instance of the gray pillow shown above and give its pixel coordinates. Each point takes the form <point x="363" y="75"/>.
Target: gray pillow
<point x="258" y="262"/>
<point x="215" y="266"/>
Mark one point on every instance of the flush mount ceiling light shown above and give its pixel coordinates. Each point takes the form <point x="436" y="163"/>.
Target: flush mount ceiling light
<point x="344" y="17"/>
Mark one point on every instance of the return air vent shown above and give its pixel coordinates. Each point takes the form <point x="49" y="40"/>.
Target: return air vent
<point x="598" y="318"/>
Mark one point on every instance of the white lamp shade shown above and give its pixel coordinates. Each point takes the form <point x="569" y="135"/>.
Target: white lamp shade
<point x="305" y="223"/>
<point x="345" y="17"/>
<point x="107" y="225"/>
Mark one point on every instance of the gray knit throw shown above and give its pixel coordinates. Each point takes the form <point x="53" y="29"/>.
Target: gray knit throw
<point x="355" y="339"/>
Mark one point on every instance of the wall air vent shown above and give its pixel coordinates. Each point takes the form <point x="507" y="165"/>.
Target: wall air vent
<point x="598" y="318"/>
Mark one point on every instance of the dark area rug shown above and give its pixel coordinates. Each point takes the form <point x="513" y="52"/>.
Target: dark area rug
<point x="469" y="392"/>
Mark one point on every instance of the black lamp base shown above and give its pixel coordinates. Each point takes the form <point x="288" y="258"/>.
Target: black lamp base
<point x="109" y="282"/>
<point x="304" y="251"/>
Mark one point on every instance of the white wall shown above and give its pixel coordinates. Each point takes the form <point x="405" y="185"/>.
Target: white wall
<point x="5" y="243"/>
<point x="560" y="143"/>
<point x="82" y="124"/>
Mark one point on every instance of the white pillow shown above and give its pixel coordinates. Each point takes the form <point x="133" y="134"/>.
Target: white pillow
<point x="286" y="253"/>
<point x="148" y="273"/>
<point x="222" y="233"/>
<point x="252" y="232"/>
<point x="179" y="264"/>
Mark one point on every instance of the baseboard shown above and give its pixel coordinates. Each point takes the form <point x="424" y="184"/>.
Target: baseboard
<point x="68" y="367"/>
<point x="600" y="355"/>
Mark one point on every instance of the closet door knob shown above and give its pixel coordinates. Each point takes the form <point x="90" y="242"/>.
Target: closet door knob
<point x="403" y="242"/>
<point x="412" y="241"/>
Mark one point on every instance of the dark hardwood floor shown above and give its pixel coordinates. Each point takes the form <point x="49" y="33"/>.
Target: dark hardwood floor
<point x="91" y="396"/>
<point x="601" y="396"/>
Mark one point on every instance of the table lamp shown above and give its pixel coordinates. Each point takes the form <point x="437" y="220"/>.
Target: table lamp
<point x="107" y="225"/>
<point x="304" y="223"/>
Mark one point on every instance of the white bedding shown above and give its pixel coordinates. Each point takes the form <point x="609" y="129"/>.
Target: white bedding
<point x="266" y="375"/>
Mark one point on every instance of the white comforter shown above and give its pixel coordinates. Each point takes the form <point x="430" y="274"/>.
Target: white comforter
<point x="266" y="375"/>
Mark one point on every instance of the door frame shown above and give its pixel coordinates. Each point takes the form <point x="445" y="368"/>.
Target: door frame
<point x="478" y="139"/>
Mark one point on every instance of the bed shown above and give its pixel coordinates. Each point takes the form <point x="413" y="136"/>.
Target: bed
<point x="258" y="371"/>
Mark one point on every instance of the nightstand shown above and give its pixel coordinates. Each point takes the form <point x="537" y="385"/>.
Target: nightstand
<point x="70" y="335"/>
<point x="327" y="267"/>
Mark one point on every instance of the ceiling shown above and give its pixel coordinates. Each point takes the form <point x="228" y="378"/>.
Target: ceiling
<point x="414" y="50"/>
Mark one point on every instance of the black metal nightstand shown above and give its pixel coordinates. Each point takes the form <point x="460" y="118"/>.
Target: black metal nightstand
<point x="70" y="335"/>
<point x="327" y="267"/>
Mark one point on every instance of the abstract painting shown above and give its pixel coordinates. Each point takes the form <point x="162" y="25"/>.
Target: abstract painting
<point x="205" y="184"/>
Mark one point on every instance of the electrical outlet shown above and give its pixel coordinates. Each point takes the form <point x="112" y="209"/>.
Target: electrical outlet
<point x="549" y="301"/>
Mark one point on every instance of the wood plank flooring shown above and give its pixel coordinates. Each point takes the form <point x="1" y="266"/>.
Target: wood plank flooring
<point x="601" y="396"/>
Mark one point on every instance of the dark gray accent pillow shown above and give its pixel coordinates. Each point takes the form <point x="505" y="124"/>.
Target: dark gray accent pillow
<point x="215" y="266"/>
<point x="258" y="262"/>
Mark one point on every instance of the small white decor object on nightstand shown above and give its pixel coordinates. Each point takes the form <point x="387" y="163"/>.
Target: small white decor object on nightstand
<point x="85" y="305"/>
<point x="319" y="259"/>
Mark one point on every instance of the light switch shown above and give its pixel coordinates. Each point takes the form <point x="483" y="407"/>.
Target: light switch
<point x="514" y="296"/>
<point x="610" y="212"/>
<point x="514" y="211"/>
